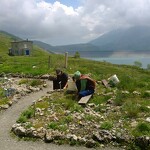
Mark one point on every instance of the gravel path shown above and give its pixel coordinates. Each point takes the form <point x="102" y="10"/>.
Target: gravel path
<point x="9" y="117"/>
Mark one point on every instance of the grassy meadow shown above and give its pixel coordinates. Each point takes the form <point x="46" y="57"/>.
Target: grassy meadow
<point x="133" y="80"/>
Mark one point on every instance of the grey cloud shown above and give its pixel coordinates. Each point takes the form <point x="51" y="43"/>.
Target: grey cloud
<point x="58" y="24"/>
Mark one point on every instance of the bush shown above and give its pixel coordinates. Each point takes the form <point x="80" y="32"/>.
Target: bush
<point x="53" y="125"/>
<point x="22" y="119"/>
<point x="146" y="95"/>
<point x="120" y="98"/>
<point x="138" y="64"/>
<point x="77" y="55"/>
<point x="106" y="125"/>
<point x="131" y="109"/>
<point x="35" y="82"/>
<point x="127" y="83"/>
<point x="57" y="126"/>
<point x="143" y="128"/>
<point x="26" y="115"/>
<point x="148" y="66"/>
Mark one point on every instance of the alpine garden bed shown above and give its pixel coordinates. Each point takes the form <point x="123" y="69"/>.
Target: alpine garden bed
<point x="112" y="117"/>
<point x="12" y="89"/>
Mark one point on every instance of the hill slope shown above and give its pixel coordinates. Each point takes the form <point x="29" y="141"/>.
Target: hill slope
<point x="132" y="39"/>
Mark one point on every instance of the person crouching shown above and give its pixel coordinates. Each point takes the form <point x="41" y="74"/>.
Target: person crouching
<point x="85" y="85"/>
<point x="61" y="80"/>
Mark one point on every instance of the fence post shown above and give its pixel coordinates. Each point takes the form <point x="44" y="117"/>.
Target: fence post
<point x="49" y="61"/>
<point x="66" y="59"/>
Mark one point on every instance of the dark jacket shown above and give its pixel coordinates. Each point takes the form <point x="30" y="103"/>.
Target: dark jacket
<point x="63" y="78"/>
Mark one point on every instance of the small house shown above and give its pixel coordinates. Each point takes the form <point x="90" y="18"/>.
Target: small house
<point x="19" y="48"/>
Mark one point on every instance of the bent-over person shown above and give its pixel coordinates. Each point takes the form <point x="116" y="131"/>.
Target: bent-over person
<point x="85" y="85"/>
<point x="61" y="80"/>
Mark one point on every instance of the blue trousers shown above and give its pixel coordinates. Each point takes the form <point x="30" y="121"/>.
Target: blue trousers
<point x="85" y="93"/>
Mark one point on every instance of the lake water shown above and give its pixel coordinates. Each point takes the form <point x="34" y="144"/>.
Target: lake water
<point x="117" y="57"/>
<point x="123" y="60"/>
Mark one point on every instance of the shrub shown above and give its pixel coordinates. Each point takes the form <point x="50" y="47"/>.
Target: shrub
<point x="107" y="125"/>
<point x="119" y="100"/>
<point x="127" y="83"/>
<point x="76" y="108"/>
<point x="89" y="117"/>
<point x="148" y="66"/>
<point x="143" y="128"/>
<point x="57" y="126"/>
<point x="35" y="82"/>
<point x="22" y="119"/>
<point x="138" y="64"/>
<point x="77" y="55"/>
<point x="4" y="101"/>
<point x="53" y="125"/>
<point x="131" y="109"/>
<point x="67" y="120"/>
<point x="23" y="81"/>
<point x="146" y="95"/>
<point x="26" y="115"/>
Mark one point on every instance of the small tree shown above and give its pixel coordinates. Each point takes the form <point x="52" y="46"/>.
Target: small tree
<point x="138" y="64"/>
<point x="77" y="55"/>
<point x="148" y="66"/>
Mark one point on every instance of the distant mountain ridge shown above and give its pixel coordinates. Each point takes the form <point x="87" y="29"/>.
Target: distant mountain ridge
<point x="132" y="39"/>
<point x="13" y="37"/>
<point x="129" y="40"/>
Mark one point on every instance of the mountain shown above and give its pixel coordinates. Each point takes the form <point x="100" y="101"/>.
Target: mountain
<point x="9" y="35"/>
<point x="44" y="46"/>
<point x="132" y="39"/>
<point x="64" y="48"/>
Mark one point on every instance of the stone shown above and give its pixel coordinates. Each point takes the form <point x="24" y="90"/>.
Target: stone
<point x="143" y="142"/>
<point x="90" y="143"/>
<point x="6" y="106"/>
<point x="148" y="119"/>
<point x="136" y="93"/>
<point x="20" y="131"/>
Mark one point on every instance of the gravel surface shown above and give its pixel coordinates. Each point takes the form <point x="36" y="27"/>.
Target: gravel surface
<point x="9" y="117"/>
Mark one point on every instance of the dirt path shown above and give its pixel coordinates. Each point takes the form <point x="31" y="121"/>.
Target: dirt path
<point x="9" y="117"/>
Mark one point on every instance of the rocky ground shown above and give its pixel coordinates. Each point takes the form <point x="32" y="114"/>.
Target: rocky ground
<point x="9" y="116"/>
<point x="13" y="90"/>
<point x="82" y="127"/>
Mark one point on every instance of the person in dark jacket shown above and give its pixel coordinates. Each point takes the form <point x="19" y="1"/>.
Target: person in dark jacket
<point x="85" y="85"/>
<point x="61" y="80"/>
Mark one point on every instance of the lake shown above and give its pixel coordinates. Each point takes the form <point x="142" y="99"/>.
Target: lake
<point x="117" y="57"/>
<point x="123" y="60"/>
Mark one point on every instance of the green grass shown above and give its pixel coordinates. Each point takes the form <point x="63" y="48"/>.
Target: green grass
<point x="107" y="125"/>
<point x="132" y="78"/>
<point x="143" y="128"/>
<point x="33" y="82"/>
<point x="25" y="115"/>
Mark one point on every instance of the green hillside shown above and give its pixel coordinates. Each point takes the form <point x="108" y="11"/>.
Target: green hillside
<point x="127" y="102"/>
<point x="22" y="64"/>
<point x="46" y="63"/>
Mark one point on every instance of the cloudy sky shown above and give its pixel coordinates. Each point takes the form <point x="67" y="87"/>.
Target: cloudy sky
<point x="61" y="22"/>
